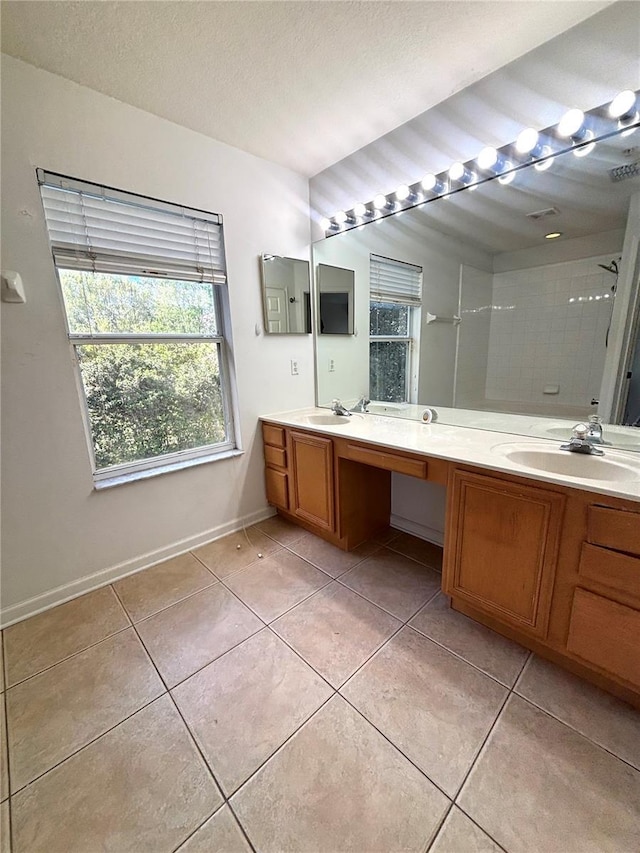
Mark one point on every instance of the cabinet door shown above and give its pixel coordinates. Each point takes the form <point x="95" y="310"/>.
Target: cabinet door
<point x="501" y="548"/>
<point x="311" y="467"/>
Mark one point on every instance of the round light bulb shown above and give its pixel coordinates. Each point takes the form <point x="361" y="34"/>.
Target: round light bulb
<point x="508" y="176"/>
<point x="359" y="209"/>
<point x="340" y="217"/>
<point x="527" y="140"/>
<point x="380" y="201"/>
<point x="623" y="104"/>
<point x="325" y="223"/>
<point x="402" y="192"/>
<point x="456" y="171"/>
<point x="429" y="182"/>
<point x="570" y="123"/>
<point x="543" y="165"/>
<point x="487" y="158"/>
<point x="553" y="235"/>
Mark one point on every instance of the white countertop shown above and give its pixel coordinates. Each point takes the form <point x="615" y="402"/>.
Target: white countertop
<point x="470" y="446"/>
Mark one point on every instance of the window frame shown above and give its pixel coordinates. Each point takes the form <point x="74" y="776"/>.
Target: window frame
<point x="412" y="342"/>
<point x="153" y="465"/>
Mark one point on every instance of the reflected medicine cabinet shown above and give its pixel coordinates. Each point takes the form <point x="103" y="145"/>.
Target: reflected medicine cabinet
<point x="286" y="295"/>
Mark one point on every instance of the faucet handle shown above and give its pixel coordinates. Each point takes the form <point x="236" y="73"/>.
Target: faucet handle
<point x="595" y="419"/>
<point x="580" y="431"/>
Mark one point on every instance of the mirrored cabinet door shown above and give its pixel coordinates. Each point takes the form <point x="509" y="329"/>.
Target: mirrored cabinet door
<point x="286" y="295"/>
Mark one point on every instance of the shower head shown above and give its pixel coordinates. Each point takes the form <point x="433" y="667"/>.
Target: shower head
<point x="612" y="267"/>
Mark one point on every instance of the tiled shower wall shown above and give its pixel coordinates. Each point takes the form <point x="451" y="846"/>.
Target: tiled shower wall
<point x="549" y="327"/>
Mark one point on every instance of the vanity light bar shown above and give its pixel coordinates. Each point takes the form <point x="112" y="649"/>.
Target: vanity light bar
<point x="576" y="131"/>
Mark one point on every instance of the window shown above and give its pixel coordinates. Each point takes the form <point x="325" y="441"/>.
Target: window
<point x="144" y="290"/>
<point x="394" y="329"/>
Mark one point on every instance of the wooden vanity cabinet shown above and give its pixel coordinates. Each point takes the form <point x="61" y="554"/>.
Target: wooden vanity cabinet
<point x="311" y="487"/>
<point x="502" y="548"/>
<point x="551" y="567"/>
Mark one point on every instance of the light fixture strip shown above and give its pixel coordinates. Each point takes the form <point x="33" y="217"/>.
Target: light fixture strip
<point x="598" y="125"/>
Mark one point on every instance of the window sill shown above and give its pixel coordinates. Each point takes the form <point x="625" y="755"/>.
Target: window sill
<point x="169" y="468"/>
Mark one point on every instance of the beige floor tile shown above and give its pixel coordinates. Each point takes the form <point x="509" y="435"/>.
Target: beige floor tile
<point x="392" y="581"/>
<point x="236" y="551"/>
<point x="281" y="530"/>
<point x="220" y="834"/>
<point x="4" y="764"/>
<point x="434" y="707"/>
<point x="276" y="583"/>
<point x="598" y="715"/>
<point x="490" y="652"/>
<point x="142" y="786"/>
<point x="461" y="835"/>
<point x="540" y="786"/>
<point x="336" y="631"/>
<point x="338" y="785"/>
<point x="160" y="586"/>
<point x="5" y="828"/>
<point x="418" y="549"/>
<point x="243" y="706"/>
<point x="60" y="710"/>
<point x="334" y="561"/>
<point x="383" y="537"/>
<point x="188" y="635"/>
<point x="56" y="634"/>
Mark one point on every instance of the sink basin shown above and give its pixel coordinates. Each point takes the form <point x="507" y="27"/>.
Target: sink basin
<point x="581" y="466"/>
<point x="326" y="420"/>
<point x="620" y="439"/>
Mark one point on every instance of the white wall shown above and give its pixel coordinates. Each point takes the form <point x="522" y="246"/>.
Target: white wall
<point x="59" y="536"/>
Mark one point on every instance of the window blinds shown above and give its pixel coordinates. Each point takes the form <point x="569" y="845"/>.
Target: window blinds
<point x="394" y="281"/>
<point x="103" y="230"/>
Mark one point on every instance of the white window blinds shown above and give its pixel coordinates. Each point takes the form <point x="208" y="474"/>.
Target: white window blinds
<point x="104" y="230"/>
<point x="394" y="281"/>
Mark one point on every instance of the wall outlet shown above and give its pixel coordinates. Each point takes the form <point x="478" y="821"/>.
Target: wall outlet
<point x="332" y="365"/>
<point x="294" y="367"/>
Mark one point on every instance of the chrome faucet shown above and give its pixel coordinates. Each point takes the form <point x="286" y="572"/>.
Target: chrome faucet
<point x="582" y="442"/>
<point x="596" y="435"/>
<point x="338" y="409"/>
<point x="361" y="405"/>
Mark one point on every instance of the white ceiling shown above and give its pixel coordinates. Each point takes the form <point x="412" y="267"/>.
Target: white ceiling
<point x="300" y="83"/>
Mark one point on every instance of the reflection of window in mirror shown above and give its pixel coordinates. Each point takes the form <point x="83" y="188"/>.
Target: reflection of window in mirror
<point x="394" y="330"/>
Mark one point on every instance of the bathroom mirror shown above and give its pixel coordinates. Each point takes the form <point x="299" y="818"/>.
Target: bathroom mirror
<point x="514" y="330"/>
<point x="286" y="295"/>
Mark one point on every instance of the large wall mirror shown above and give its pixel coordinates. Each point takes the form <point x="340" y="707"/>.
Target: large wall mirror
<point x="286" y="295"/>
<point x="510" y="328"/>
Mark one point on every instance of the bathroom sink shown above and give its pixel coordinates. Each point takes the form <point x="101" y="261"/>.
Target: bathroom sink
<point x="541" y="457"/>
<point x="326" y="420"/>
<point x="624" y="440"/>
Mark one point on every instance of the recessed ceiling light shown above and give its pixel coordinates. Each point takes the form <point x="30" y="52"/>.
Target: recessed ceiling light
<point x="552" y="235"/>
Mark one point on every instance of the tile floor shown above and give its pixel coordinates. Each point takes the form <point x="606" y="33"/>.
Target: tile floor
<point x="305" y="700"/>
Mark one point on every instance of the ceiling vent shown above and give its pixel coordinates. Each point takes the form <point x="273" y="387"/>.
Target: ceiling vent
<point x="543" y="214"/>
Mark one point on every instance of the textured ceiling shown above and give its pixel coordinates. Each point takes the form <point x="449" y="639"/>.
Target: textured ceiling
<point x="300" y="83"/>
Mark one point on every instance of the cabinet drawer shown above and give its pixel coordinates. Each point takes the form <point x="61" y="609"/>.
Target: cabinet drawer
<point x="614" y="528"/>
<point x="277" y="488"/>
<point x="387" y="460"/>
<point x="274" y="435"/>
<point x="606" y="634"/>
<point x="275" y="456"/>
<point x="618" y="571"/>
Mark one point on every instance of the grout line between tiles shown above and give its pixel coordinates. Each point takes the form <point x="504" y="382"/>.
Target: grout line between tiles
<point x="6" y="733"/>
<point x="69" y="657"/>
<point x="87" y="744"/>
<point x="189" y="595"/>
<point x="439" y="827"/>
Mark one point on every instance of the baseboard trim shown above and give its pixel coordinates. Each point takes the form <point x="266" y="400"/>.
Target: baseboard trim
<point x="66" y="592"/>
<point x="422" y="531"/>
